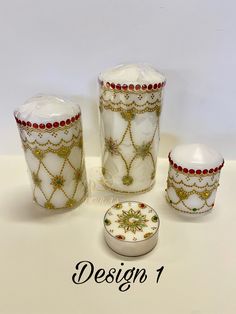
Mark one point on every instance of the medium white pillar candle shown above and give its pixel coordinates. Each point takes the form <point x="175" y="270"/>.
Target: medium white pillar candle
<point x="130" y="107"/>
<point x="51" y="133"/>
<point x="193" y="178"/>
<point x="131" y="228"/>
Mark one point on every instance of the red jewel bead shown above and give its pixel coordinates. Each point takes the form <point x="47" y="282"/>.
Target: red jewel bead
<point x="159" y="85"/>
<point x="112" y="85"/>
<point x="108" y="84"/>
<point x="19" y="121"/>
<point x="171" y="161"/>
<point x="191" y="171"/>
<point x="185" y="170"/>
<point x="149" y="86"/>
<point x="205" y="171"/>
<point x="29" y="123"/>
<point x="155" y="86"/>
<point x="73" y="119"/>
<point x="211" y="170"/>
<point x="142" y="205"/>
<point x="35" y="125"/>
<point x="42" y="126"/>
<point x="198" y="171"/>
<point x="175" y="166"/>
<point x="124" y="87"/>
<point x="118" y="86"/>
<point x="68" y="121"/>
<point x="24" y="123"/>
<point x="62" y="123"/>
<point x="49" y="125"/>
<point x="79" y="114"/>
<point x="77" y="117"/>
<point x="180" y="168"/>
<point x="131" y="87"/>
<point x="56" y="124"/>
<point x="216" y="169"/>
<point x="137" y="87"/>
<point x="144" y="86"/>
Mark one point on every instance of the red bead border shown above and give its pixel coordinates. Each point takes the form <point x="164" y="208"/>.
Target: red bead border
<point x="132" y="87"/>
<point x="192" y="171"/>
<point x="48" y="125"/>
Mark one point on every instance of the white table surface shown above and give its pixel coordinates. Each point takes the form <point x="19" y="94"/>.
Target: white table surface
<point x="39" y="250"/>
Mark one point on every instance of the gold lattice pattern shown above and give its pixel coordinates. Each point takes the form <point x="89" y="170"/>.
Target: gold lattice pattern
<point x="69" y="173"/>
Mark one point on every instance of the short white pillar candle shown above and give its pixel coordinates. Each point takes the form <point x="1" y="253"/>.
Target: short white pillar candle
<point x="130" y="107"/>
<point x="51" y="133"/>
<point x="193" y="178"/>
<point x="131" y="228"/>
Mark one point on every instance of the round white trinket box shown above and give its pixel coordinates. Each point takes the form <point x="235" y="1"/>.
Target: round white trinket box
<point x="131" y="228"/>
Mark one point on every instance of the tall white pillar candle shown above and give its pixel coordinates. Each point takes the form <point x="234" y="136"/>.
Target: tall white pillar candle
<point x="193" y="178"/>
<point x="51" y="133"/>
<point x="130" y="107"/>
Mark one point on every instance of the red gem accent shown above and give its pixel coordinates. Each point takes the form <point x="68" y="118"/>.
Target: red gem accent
<point x="29" y="123"/>
<point x="137" y="87"/>
<point x="149" y="86"/>
<point x="144" y="86"/>
<point x="180" y="168"/>
<point x="205" y="171"/>
<point x="24" y="123"/>
<point x="68" y="121"/>
<point x="77" y="117"/>
<point x="171" y="161"/>
<point x="155" y="86"/>
<point x="175" y="166"/>
<point x="131" y="87"/>
<point x="112" y="85"/>
<point x="142" y="205"/>
<point x="159" y="85"/>
<point x="49" y="125"/>
<point x="198" y="171"/>
<point x="56" y="124"/>
<point x="62" y="123"/>
<point x="185" y="170"/>
<point x="42" y="126"/>
<point x="216" y="169"/>
<point x="118" y="86"/>
<point x="79" y="114"/>
<point x="35" y="125"/>
<point x="108" y="84"/>
<point x="73" y="119"/>
<point x="19" y="121"/>
<point x="124" y="87"/>
<point x="191" y="171"/>
<point x="211" y="170"/>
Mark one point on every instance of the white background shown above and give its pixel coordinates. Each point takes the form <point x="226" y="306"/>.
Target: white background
<point x="60" y="47"/>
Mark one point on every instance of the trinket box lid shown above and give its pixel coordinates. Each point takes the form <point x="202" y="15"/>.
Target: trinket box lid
<point x="131" y="228"/>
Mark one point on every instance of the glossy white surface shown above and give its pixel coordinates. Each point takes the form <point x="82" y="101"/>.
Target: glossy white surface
<point x="40" y="248"/>
<point x="196" y="156"/>
<point x="45" y="108"/>
<point x="140" y="73"/>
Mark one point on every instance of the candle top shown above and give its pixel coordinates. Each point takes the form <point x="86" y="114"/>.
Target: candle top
<point x="132" y="73"/>
<point x="196" y="156"/>
<point x="131" y="221"/>
<point x="46" y="108"/>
